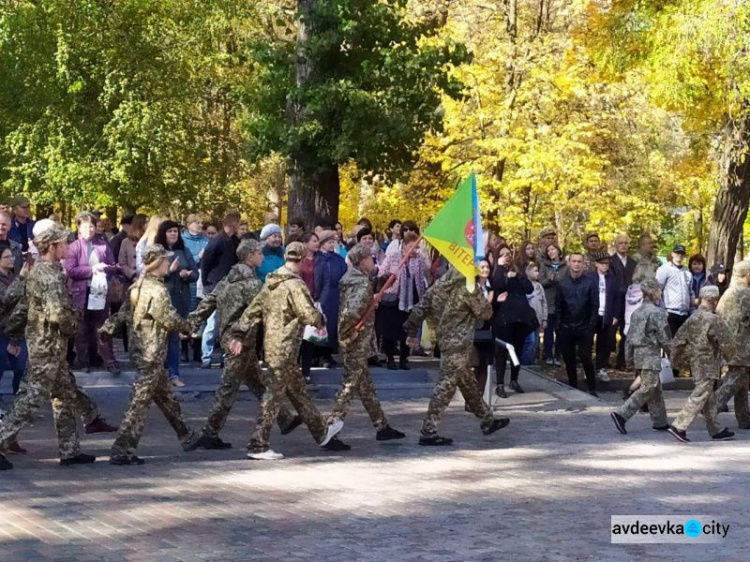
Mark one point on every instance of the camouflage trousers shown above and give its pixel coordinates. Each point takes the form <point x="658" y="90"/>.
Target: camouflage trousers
<point x="85" y="407"/>
<point x="239" y="369"/>
<point x="151" y="385"/>
<point x="648" y="393"/>
<point x="283" y="378"/>
<point x="455" y="371"/>
<point x="702" y="399"/>
<point x="46" y="378"/>
<point x="357" y="380"/>
<point x="736" y="383"/>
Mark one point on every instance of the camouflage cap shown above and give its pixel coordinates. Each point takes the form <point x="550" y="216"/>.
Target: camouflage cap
<point x="359" y="253"/>
<point x="53" y="234"/>
<point x="601" y="257"/>
<point x="710" y="292"/>
<point x="19" y="201"/>
<point x="591" y="234"/>
<point x="295" y="252"/>
<point x="650" y="287"/>
<point x="247" y="246"/>
<point x="547" y="232"/>
<point x="153" y="252"/>
<point x="741" y="269"/>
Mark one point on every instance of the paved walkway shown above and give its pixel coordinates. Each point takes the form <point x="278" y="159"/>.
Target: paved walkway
<point x="542" y="489"/>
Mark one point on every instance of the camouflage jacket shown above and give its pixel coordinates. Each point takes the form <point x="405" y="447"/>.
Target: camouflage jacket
<point x="454" y="310"/>
<point x="51" y="317"/>
<point x="10" y="295"/>
<point x="701" y="343"/>
<point x="356" y="294"/>
<point x="734" y="308"/>
<point x="153" y="317"/>
<point x="285" y="307"/>
<point x="230" y="298"/>
<point x="648" y="335"/>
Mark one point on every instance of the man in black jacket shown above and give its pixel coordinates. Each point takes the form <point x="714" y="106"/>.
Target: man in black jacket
<point x="577" y="304"/>
<point x="623" y="267"/>
<point x="218" y="258"/>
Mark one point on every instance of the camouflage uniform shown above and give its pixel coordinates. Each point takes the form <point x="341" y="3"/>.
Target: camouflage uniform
<point x="231" y="297"/>
<point x="356" y="347"/>
<point x="455" y="312"/>
<point x="734" y="308"/>
<point x="51" y="321"/>
<point x="151" y="319"/>
<point x="14" y="312"/>
<point x="284" y="306"/>
<point x="646" y="266"/>
<point x="648" y="335"/>
<point x="700" y="344"/>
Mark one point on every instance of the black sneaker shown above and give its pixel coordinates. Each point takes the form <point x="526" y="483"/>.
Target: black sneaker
<point x="126" y="461"/>
<point x="435" y="441"/>
<point x="203" y="442"/>
<point x="216" y="443"/>
<point x="515" y="387"/>
<point x="5" y="464"/>
<point x="497" y="424"/>
<point x="392" y="365"/>
<point x="81" y="458"/>
<point x="593" y="393"/>
<point x="388" y="433"/>
<point x="677" y="434"/>
<point x="294" y="424"/>
<point x="336" y="444"/>
<point x="660" y="428"/>
<point x="500" y="391"/>
<point x="404" y="365"/>
<point x="619" y="422"/>
<point x="723" y="435"/>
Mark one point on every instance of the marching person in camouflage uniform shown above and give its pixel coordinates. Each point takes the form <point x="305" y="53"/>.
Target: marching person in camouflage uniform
<point x="700" y="344"/>
<point x="455" y="312"/>
<point x="285" y="307"/>
<point x="356" y="346"/>
<point x="231" y="297"/>
<point x="648" y="335"/>
<point x="51" y="321"/>
<point x="152" y="317"/>
<point x="734" y="308"/>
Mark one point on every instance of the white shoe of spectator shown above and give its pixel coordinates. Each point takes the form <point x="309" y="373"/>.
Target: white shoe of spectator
<point x="269" y="455"/>
<point x="603" y="375"/>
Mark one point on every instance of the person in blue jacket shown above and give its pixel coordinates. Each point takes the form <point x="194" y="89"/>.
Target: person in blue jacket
<point x="273" y="250"/>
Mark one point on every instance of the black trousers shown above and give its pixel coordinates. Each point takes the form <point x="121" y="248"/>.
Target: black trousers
<point x="514" y="334"/>
<point x="577" y="344"/>
<point x="604" y="334"/>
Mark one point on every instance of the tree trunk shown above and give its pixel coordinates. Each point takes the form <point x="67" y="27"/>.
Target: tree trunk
<point x="733" y="198"/>
<point x="313" y="193"/>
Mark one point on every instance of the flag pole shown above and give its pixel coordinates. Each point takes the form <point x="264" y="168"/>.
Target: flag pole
<point x="388" y="284"/>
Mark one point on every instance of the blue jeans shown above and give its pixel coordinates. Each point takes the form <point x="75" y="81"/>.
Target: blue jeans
<point x="550" y="335"/>
<point x="530" y="347"/>
<point x="173" y="355"/>
<point x="9" y="362"/>
<point x="209" y="338"/>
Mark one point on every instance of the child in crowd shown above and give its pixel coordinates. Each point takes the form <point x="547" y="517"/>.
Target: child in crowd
<point x="537" y="301"/>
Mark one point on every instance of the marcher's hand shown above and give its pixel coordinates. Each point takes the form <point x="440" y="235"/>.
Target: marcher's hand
<point x="14" y="349"/>
<point x="235" y="347"/>
<point x="614" y="322"/>
<point x="512" y="274"/>
<point x="412" y="342"/>
<point x="502" y="297"/>
<point x="174" y="265"/>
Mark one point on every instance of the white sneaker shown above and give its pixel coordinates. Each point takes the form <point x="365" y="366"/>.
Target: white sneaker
<point x="269" y="455"/>
<point x="603" y="375"/>
<point x="332" y="431"/>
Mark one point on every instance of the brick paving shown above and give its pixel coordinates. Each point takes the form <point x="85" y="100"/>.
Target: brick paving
<point x="542" y="489"/>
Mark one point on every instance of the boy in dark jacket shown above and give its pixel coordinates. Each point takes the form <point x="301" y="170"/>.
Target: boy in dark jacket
<point x="609" y="313"/>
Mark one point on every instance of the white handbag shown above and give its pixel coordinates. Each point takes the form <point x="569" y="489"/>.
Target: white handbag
<point x="666" y="375"/>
